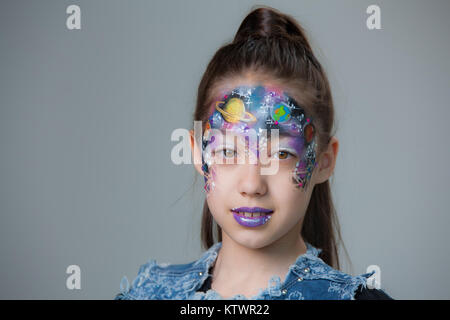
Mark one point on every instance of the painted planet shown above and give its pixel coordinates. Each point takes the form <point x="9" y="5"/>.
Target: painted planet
<point x="281" y="113"/>
<point x="234" y="111"/>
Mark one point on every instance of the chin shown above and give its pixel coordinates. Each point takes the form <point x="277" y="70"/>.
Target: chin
<point x="252" y="240"/>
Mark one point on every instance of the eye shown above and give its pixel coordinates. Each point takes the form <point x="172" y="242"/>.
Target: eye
<point x="228" y="153"/>
<point x="283" y="155"/>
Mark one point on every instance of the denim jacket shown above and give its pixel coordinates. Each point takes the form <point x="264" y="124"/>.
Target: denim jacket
<point x="308" y="278"/>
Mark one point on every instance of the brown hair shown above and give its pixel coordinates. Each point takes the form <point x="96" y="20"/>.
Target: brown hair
<point x="274" y="44"/>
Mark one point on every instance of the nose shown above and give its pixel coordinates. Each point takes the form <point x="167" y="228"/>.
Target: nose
<point x="251" y="182"/>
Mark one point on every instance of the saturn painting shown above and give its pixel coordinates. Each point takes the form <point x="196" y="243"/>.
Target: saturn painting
<point x="234" y="111"/>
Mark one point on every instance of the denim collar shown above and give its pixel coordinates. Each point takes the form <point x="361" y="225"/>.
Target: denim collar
<point x="304" y="266"/>
<point x="168" y="281"/>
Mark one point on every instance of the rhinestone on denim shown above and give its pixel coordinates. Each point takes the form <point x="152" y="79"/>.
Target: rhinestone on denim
<point x="284" y="291"/>
<point x="306" y="270"/>
<point x="300" y="279"/>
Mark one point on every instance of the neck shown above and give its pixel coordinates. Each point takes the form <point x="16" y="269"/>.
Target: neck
<point x="237" y="262"/>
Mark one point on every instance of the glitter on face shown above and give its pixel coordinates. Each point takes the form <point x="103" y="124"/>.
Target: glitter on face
<point x="261" y="108"/>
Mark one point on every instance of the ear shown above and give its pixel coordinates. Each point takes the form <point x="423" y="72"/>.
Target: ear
<point x="327" y="161"/>
<point x="196" y="153"/>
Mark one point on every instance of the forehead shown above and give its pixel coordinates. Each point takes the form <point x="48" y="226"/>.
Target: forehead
<point x="251" y="80"/>
<point x="257" y="107"/>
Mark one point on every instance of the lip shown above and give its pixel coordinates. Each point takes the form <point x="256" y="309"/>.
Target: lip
<point x="251" y="221"/>
<point x="251" y="210"/>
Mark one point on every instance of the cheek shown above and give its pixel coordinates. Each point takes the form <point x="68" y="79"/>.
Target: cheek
<point x="209" y="177"/>
<point x="218" y="200"/>
<point x="219" y="179"/>
<point x="299" y="169"/>
<point x="305" y="167"/>
<point x="294" y="204"/>
<point x="286" y="194"/>
<point x="284" y="179"/>
<point x="281" y="185"/>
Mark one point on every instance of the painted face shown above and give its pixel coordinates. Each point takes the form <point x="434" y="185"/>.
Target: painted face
<point x="261" y="124"/>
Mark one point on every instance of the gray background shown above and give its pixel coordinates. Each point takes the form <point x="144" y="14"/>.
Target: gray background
<point x="86" y="118"/>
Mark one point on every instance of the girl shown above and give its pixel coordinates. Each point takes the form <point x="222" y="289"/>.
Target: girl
<point x="266" y="152"/>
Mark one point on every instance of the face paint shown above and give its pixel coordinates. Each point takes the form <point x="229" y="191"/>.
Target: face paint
<point x="258" y="110"/>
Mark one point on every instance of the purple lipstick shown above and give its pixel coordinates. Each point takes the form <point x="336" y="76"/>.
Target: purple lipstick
<point x="251" y="216"/>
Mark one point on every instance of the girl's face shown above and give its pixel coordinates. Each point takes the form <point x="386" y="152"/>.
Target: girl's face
<point x="258" y="160"/>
